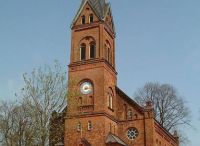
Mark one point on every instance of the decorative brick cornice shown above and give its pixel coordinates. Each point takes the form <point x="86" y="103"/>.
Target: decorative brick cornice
<point x="93" y="61"/>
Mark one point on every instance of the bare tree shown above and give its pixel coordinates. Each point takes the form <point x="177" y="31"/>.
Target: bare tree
<point x="15" y="125"/>
<point x="170" y="109"/>
<point x="44" y="92"/>
<point x="26" y="122"/>
<point x="6" y="123"/>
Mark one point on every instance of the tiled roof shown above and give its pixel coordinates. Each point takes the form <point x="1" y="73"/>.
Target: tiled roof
<point x="131" y="101"/>
<point x="114" y="139"/>
<point x="100" y="7"/>
<point x="85" y="142"/>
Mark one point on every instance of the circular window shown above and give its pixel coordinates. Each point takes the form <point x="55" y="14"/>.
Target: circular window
<point x="132" y="133"/>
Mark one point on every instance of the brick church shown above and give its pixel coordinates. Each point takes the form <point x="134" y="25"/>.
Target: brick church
<point x="99" y="113"/>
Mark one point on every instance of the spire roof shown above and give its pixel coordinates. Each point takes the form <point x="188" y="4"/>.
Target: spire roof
<point x="100" y="7"/>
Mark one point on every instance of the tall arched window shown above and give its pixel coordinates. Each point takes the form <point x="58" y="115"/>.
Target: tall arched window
<point x="91" y="18"/>
<point x="105" y="52"/>
<point x="83" y="52"/>
<point x="92" y="50"/>
<point x="110" y="99"/>
<point x="108" y="57"/>
<point x="108" y="52"/>
<point x="83" y="19"/>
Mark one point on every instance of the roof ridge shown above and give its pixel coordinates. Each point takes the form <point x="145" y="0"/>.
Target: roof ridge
<point x="111" y="138"/>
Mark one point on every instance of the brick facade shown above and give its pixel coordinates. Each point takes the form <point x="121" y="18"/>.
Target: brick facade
<point x="105" y="116"/>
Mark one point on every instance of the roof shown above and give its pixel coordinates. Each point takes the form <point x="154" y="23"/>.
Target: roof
<point x="100" y="7"/>
<point x="85" y="142"/>
<point x="114" y="139"/>
<point x="127" y="98"/>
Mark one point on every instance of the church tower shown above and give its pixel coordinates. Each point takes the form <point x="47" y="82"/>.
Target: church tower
<point x="92" y="74"/>
<point x="92" y="60"/>
<point x="99" y="113"/>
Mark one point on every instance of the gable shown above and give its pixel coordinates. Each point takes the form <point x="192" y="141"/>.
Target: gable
<point x="85" y="10"/>
<point x="99" y="8"/>
<point x="125" y="103"/>
<point x="109" y="19"/>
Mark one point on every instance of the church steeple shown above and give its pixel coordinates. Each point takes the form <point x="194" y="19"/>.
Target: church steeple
<point x="92" y="61"/>
<point x="100" y="7"/>
<point x="93" y="33"/>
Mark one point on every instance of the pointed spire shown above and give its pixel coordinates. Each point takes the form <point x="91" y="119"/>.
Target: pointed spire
<point x="100" y="6"/>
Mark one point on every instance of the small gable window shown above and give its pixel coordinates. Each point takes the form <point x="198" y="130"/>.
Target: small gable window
<point x="83" y="52"/>
<point x="83" y="19"/>
<point x="91" y="18"/>
<point x="125" y="111"/>
<point x="89" y="125"/>
<point x="79" y="126"/>
<point x="92" y="50"/>
<point x="130" y="114"/>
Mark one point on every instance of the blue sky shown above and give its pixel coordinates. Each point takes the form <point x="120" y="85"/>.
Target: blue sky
<point x="157" y="40"/>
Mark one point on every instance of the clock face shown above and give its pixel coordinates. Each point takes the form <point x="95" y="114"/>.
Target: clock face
<point x="86" y="88"/>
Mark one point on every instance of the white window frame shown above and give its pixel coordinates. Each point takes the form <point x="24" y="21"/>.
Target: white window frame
<point x="89" y="125"/>
<point x="79" y="127"/>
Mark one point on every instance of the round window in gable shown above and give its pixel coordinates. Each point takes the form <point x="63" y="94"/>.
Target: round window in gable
<point x="132" y="133"/>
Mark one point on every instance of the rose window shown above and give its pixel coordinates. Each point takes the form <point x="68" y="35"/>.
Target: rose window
<point x="132" y="133"/>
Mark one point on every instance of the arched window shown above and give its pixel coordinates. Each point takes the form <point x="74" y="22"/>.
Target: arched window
<point x="83" y="19"/>
<point x="111" y="58"/>
<point x="135" y="116"/>
<point x="79" y="126"/>
<point x="108" y="52"/>
<point x="89" y="125"/>
<point x="105" y="52"/>
<point x="80" y="101"/>
<point x="92" y="50"/>
<point x="83" y="52"/>
<point x="125" y="111"/>
<point x="130" y="114"/>
<point x="91" y="18"/>
<point x="110" y="99"/>
<point x="108" y="57"/>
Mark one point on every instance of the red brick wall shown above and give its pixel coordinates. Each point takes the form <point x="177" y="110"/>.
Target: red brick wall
<point x="103" y="76"/>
